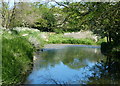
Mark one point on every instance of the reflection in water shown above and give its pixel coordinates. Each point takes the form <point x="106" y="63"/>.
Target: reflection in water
<point x="70" y="64"/>
<point x="106" y="72"/>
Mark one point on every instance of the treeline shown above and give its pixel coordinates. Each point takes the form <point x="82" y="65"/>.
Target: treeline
<point x="37" y="15"/>
<point x="100" y="17"/>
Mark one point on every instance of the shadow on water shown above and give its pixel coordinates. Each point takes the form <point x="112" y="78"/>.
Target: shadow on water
<point x="106" y="72"/>
<point x="74" y="65"/>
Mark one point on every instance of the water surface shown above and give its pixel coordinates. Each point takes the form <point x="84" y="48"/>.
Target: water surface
<point x="69" y="64"/>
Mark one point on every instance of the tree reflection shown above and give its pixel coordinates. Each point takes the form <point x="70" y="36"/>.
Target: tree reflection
<point x="106" y="72"/>
<point x="73" y="57"/>
<point x="69" y="64"/>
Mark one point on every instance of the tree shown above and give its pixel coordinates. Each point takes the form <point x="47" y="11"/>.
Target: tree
<point x="106" y="20"/>
<point x="100" y="17"/>
<point x="7" y="14"/>
<point x="75" y="18"/>
<point x="46" y="21"/>
<point x="24" y="16"/>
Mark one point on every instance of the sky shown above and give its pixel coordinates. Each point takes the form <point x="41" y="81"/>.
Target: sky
<point x="59" y="0"/>
<point x="51" y="1"/>
<point x="42" y="1"/>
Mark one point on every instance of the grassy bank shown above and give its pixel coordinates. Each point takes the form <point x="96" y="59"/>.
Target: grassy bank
<point x="16" y="59"/>
<point x="61" y="39"/>
<point x="17" y="54"/>
<point x="34" y="36"/>
<point x="40" y="38"/>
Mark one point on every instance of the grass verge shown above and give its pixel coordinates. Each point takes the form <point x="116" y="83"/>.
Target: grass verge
<point x="17" y="53"/>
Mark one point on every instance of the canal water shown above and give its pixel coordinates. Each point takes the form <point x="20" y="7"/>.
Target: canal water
<point x="66" y="64"/>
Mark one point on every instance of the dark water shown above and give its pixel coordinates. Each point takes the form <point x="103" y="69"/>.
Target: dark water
<point x="73" y="64"/>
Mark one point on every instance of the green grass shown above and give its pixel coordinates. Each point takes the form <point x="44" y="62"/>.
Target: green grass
<point x="56" y="38"/>
<point x="101" y="40"/>
<point x="32" y="36"/>
<point x="0" y="57"/>
<point x="60" y="39"/>
<point x="17" y="53"/>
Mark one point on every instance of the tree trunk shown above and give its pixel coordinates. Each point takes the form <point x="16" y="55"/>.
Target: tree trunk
<point x="12" y="17"/>
<point x="107" y="39"/>
<point x="110" y="37"/>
